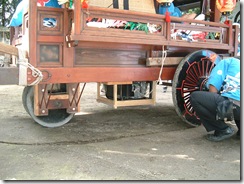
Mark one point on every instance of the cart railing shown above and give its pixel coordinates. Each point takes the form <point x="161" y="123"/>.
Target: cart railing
<point x="209" y="35"/>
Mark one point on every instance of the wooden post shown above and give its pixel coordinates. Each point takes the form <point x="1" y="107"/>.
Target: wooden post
<point x="215" y="13"/>
<point x="32" y="31"/>
<point x="77" y="16"/>
<point x="237" y="31"/>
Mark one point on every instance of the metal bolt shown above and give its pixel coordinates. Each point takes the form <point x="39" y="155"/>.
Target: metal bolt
<point x="43" y="111"/>
<point x="73" y="89"/>
<point x="73" y="109"/>
<point x="43" y="90"/>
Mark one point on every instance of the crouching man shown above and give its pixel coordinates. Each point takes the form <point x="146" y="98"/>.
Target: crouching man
<point x="224" y="91"/>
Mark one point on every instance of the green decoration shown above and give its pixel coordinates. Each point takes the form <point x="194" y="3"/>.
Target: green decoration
<point x="137" y="26"/>
<point x="211" y="36"/>
<point x="70" y="3"/>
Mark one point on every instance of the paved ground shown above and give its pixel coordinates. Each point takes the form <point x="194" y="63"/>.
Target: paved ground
<point x="102" y="143"/>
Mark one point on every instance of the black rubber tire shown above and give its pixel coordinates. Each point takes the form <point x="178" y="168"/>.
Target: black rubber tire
<point x="55" y="118"/>
<point x="24" y="100"/>
<point x="237" y="18"/>
<point x="191" y="75"/>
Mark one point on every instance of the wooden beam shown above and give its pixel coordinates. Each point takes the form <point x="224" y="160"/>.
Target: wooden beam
<point x="103" y="74"/>
<point x="8" y="49"/>
<point x="157" y="61"/>
<point x="215" y="13"/>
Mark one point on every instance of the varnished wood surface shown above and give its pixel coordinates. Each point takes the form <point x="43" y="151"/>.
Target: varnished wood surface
<point x="104" y="74"/>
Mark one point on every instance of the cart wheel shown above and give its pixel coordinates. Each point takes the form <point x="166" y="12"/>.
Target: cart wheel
<point x="55" y="118"/>
<point x="24" y="97"/>
<point x="191" y="75"/>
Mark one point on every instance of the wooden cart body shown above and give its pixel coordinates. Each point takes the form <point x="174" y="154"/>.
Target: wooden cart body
<point x="73" y="52"/>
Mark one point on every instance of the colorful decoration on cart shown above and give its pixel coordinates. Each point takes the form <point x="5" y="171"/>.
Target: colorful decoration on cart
<point x="17" y="18"/>
<point x="42" y="2"/>
<point x="225" y="6"/>
<point x="48" y="3"/>
<point x="167" y="8"/>
<point x="69" y="3"/>
<point x="120" y="24"/>
<point x="137" y="26"/>
<point x="105" y="23"/>
<point x="190" y="37"/>
<point x="84" y="4"/>
<point x="60" y="2"/>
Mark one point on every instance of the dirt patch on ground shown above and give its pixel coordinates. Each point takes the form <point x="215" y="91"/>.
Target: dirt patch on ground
<point x="102" y="143"/>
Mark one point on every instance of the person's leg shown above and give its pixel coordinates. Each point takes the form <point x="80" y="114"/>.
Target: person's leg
<point x="205" y="104"/>
<point x="237" y="118"/>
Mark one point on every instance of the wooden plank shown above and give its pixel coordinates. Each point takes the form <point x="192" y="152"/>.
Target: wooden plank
<point x="124" y="103"/>
<point x="118" y="83"/>
<point x="151" y="40"/>
<point x="135" y="102"/>
<point x="8" y="49"/>
<point x="157" y="61"/>
<point x="104" y="74"/>
<point x="37" y="109"/>
<point x="62" y="96"/>
<point x="50" y="39"/>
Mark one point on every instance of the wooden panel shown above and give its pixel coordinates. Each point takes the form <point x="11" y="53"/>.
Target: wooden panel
<point x="50" y="39"/>
<point x="112" y="46"/>
<point x="50" y="21"/>
<point x="49" y="54"/>
<point x="105" y="57"/>
<point x="104" y="74"/>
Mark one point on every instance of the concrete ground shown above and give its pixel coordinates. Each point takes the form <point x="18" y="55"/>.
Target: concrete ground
<point x="102" y="143"/>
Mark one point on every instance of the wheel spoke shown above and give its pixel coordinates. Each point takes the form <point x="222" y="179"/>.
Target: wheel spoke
<point x="192" y="76"/>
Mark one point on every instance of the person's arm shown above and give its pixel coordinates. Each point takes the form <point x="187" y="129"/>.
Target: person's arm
<point x="212" y="89"/>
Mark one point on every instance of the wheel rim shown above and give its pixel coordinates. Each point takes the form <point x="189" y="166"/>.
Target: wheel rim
<point x="191" y="75"/>
<point x="55" y="118"/>
<point x="24" y="98"/>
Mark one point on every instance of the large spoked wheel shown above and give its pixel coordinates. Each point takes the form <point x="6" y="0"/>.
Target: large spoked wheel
<point x="191" y="75"/>
<point x="55" y="118"/>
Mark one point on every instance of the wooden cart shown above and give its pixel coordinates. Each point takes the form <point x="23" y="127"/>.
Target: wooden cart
<point x="55" y="62"/>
